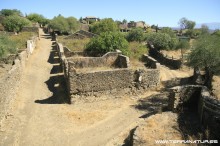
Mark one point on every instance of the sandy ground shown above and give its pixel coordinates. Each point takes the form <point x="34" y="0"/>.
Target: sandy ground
<point x="158" y="127"/>
<point x="168" y="74"/>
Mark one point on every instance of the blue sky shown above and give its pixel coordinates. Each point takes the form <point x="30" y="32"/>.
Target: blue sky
<point x="161" y="12"/>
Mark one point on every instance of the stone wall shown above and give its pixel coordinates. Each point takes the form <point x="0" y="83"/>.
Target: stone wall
<point x="123" y="61"/>
<point x="9" y="83"/>
<point x="81" y="83"/>
<point x="81" y="34"/>
<point x="209" y="111"/>
<point x="150" y="62"/>
<point x="199" y="97"/>
<point x="31" y="45"/>
<point x="169" y="62"/>
<point x="117" y="78"/>
<point x="110" y="59"/>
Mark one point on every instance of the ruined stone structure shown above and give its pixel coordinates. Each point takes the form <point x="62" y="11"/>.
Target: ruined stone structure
<point x="206" y="105"/>
<point x="109" y="74"/>
<point x="81" y="34"/>
<point x="9" y="82"/>
<point x="169" y="62"/>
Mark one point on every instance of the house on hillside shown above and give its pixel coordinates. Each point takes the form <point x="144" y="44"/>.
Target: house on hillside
<point x="132" y="24"/>
<point x="90" y="19"/>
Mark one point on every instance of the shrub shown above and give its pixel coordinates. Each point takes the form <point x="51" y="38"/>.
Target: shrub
<point x="74" y="44"/>
<point x="107" y="42"/>
<point x="15" y="23"/>
<point x="105" y="25"/>
<point x="64" y="25"/>
<point x="160" y="40"/>
<point x="34" y="17"/>
<point x="21" y="39"/>
<point x="136" y="50"/>
<point x="135" y="34"/>
<point x="7" y="46"/>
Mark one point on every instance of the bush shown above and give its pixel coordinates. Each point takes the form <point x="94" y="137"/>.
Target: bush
<point x="74" y="44"/>
<point x="104" y="25"/>
<point x="34" y="17"/>
<point x="135" y="34"/>
<point x="183" y="44"/>
<point x="15" y="23"/>
<point x="64" y="25"/>
<point x="161" y="41"/>
<point x="6" y="46"/>
<point x="21" y="39"/>
<point x="136" y="50"/>
<point x="206" y="53"/>
<point x="107" y="42"/>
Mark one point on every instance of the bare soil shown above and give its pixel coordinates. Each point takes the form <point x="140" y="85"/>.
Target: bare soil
<point x="158" y="127"/>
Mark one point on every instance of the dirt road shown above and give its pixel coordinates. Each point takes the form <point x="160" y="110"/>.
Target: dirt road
<point x="37" y="117"/>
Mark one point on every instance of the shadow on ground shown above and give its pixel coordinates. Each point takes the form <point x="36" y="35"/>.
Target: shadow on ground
<point x="153" y="104"/>
<point x="56" y="84"/>
<point x="46" y="36"/>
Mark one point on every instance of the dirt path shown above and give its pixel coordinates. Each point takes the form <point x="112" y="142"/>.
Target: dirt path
<point x="37" y="118"/>
<point x="168" y="74"/>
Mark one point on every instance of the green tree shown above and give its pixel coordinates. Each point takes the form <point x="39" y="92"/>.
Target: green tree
<point x="107" y="42"/>
<point x="174" y="40"/>
<point x="124" y="21"/>
<point x="73" y="24"/>
<point x="206" y="55"/>
<point x="64" y="25"/>
<point x="104" y="25"/>
<point x="135" y="34"/>
<point x="204" y="30"/>
<point x="9" y="12"/>
<point x="15" y="23"/>
<point x="34" y="17"/>
<point x="161" y="41"/>
<point x="6" y="46"/>
<point x="216" y="33"/>
<point x="186" y="24"/>
<point x="59" y="23"/>
<point x="183" y="45"/>
<point x="168" y="31"/>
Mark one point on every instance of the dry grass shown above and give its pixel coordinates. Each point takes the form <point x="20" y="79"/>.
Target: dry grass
<point x="74" y="44"/>
<point x="94" y="69"/>
<point x="21" y="39"/>
<point x="216" y="86"/>
<point x="159" y="127"/>
<point x="175" y="54"/>
<point x="136" y="50"/>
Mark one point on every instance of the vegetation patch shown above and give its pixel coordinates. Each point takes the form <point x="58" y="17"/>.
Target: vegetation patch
<point x="7" y="46"/>
<point x="136" y="50"/>
<point x="74" y="44"/>
<point x="21" y="39"/>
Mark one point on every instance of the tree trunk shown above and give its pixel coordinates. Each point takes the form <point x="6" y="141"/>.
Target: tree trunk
<point x="208" y="78"/>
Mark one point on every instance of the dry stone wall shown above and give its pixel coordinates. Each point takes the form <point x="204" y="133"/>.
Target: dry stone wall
<point x="208" y="106"/>
<point x="117" y="78"/>
<point x="108" y="60"/>
<point x="10" y="82"/>
<point x="170" y="62"/>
